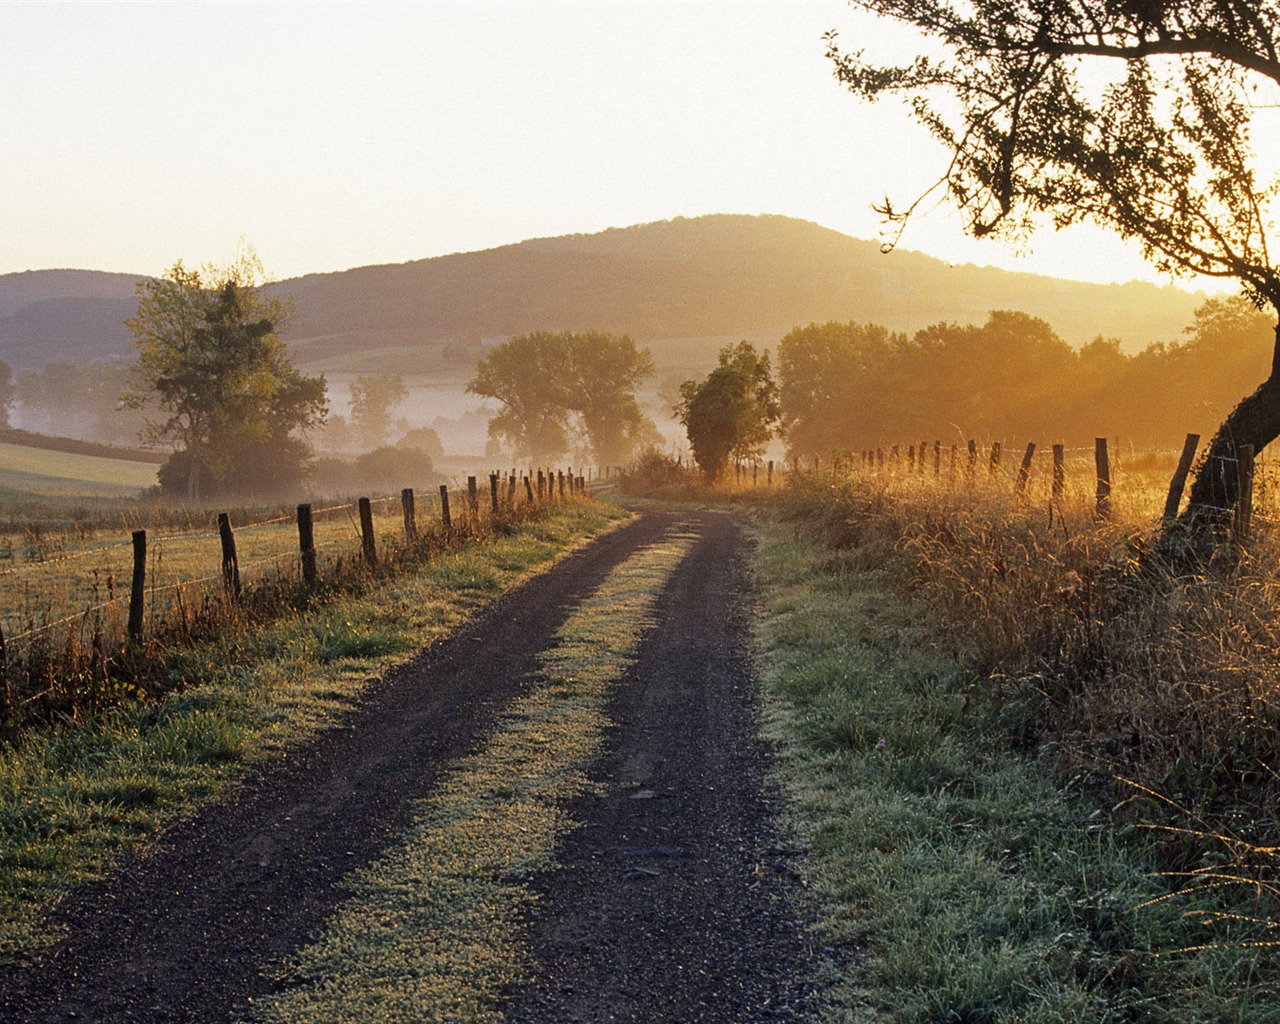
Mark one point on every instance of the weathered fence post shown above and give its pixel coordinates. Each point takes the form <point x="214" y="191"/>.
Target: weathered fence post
<point x="307" y="545"/>
<point x="560" y="481"/>
<point x="528" y="490"/>
<point x="368" y="545"/>
<point x="769" y="478"/>
<point x="1102" y="506"/>
<point x="511" y="491"/>
<point x="1179" y="480"/>
<point x="410" y="515"/>
<point x="1024" y="471"/>
<point x="996" y="450"/>
<point x="937" y="459"/>
<point x="911" y="458"/>
<point x="230" y="563"/>
<point x="493" y="493"/>
<point x="1059" y="474"/>
<point x="445" y="519"/>
<point x="138" y="592"/>
<point x="473" y="501"/>
<point x="542" y="486"/>
<point x="1244" y="502"/>
<point x="973" y="458"/>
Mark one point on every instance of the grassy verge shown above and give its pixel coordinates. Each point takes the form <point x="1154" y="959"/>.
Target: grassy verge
<point x="429" y="933"/>
<point x="71" y="794"/>
<point x="955" y="873"/>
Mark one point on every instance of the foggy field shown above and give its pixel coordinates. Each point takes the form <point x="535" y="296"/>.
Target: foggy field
<point x="77" y="577"/>
<point x="45" y="472"/>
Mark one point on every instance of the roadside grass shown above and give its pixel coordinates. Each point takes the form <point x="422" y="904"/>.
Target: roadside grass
<point x="71" y="793"/>
<point x="955" y="874"/>
<point x="430" y="932"/>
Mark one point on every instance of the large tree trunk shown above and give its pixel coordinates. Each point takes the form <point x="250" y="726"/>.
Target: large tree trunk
<point x="1205" y="522"/>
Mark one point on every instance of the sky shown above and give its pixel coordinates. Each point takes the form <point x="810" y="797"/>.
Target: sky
<point x="335" y="135"/>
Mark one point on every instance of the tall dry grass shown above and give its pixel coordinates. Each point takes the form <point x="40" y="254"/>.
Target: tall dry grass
<point x="1159" y="689"/>
<point x="69" y="656"/>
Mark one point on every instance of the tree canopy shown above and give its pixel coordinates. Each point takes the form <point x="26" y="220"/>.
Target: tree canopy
<point x="555" y="386"/>
<point x="1131" y="114"/>
<point x="211" y="359"/>
<point x="374" y="397"/>
<point x="733" y="412"/>
<point x="852" y="386"/>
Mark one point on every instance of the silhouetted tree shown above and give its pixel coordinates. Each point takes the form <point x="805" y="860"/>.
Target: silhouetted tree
<point x="210" y="357"/>
<point x="1160" y="153"/>
<point x="733" y="412"/>
<point x="551" y="383"/>
<point x="374" y="397"/>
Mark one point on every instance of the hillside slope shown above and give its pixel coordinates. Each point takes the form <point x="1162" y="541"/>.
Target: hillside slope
<point x="683" y="286"/>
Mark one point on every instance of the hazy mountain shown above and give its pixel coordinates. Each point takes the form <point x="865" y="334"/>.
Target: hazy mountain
<point x="683" y="287"/>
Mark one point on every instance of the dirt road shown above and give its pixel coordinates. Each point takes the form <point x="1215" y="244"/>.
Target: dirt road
<point x="669" y="902"/>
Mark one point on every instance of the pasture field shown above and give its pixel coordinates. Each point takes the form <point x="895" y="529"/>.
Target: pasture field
<point x="41" y="471"/>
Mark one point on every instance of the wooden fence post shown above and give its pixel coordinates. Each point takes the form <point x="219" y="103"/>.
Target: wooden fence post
<point x="1059" y="473"/>
<point x="230" y="563"/>
<point x="511" y="491"/>
<point x="996" y="450"/>
<point x="1179" y="480"/>
<point x="445" y="519"/>
<point x="769" y="478"/>
<point x="368" y="545"/>
<point x="473" y="500"/>
<point x="528" y="490"/>
<point x="410" y="515"/>
<point x="138" y="592"/>
<point x="937" y="459"/>
<point x="542" y="486"/>
<point x="1244" y="501"/>
<point x="973" y="457"/>
<point x="1024" y="471"/>
<point x="560" y="481"/>
<point x="911" y="458"/>
<point x="1102" y="506"/>
<point x="307" y="545"/>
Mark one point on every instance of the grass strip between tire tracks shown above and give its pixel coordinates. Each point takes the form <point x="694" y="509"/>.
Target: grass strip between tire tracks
<point x="72" y="794"/>
<point x="955" y="878"/>
<point x="430" y="931"/>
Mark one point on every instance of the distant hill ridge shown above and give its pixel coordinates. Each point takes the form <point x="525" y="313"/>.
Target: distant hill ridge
<point x="704" y="278"/>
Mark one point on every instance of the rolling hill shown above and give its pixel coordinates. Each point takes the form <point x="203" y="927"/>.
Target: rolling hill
<point x="683" y="287"/>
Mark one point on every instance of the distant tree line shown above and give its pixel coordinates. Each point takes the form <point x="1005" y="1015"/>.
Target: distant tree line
<point x="849" y="385"/>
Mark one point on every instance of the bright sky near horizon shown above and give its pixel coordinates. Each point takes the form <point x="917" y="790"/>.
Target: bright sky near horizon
<point x="333" y="135"/>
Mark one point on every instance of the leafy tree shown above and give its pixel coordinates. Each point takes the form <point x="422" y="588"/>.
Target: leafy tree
<point x="733" y="412"/>
<point x="1159" y="151"/>
<point x="604" y="372"/>
<point x="425" y="439"/>
<point x="210" y="358"/>
<point x="373" y="399"/>
<point x="551" y="384"/>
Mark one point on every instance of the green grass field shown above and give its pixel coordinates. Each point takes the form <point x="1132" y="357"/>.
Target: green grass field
<point x="43" y="472"/>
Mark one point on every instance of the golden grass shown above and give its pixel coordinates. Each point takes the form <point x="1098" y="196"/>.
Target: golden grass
<point x="1084" y="646"/>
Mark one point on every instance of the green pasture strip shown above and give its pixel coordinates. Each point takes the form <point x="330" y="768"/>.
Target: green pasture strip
<point x="953" y="877"/>
<point x="42" y="471"/>
<point x="430" y="932"/>
<point x="72" y="794"/>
